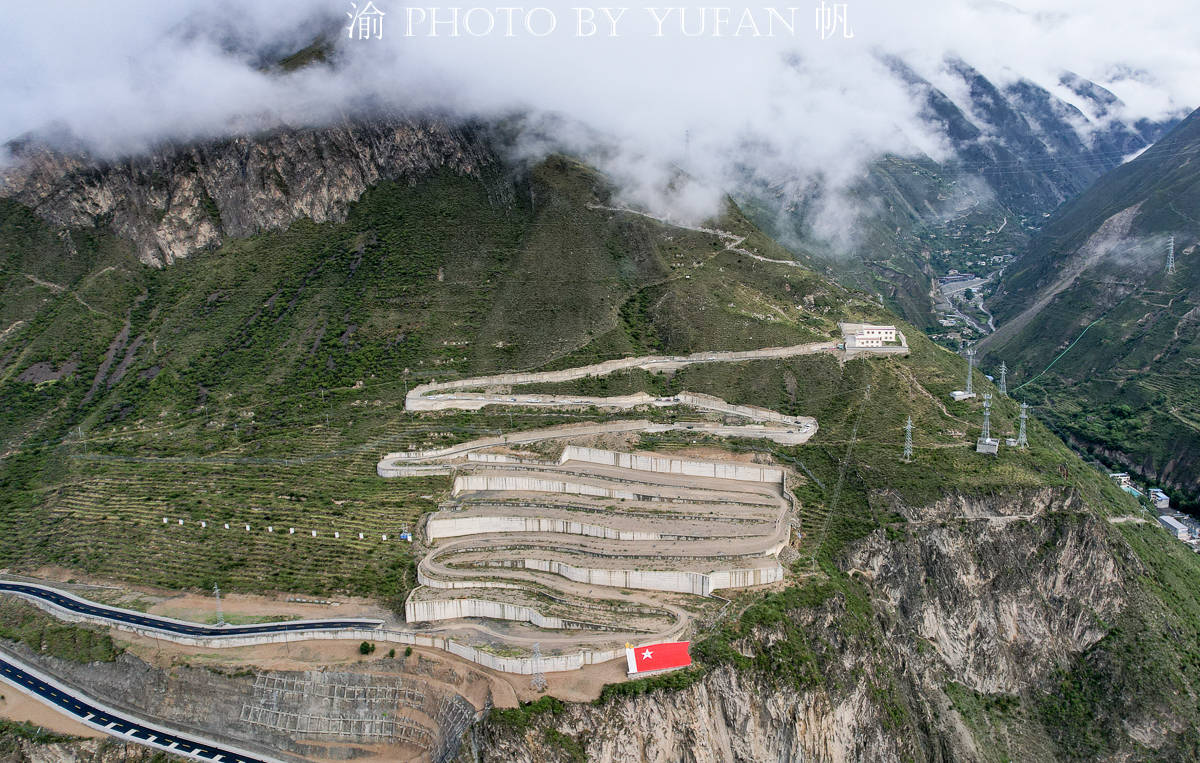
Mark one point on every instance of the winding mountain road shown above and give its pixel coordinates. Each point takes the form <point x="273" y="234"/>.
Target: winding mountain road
<point x="95" y="714"/>
<point x="125" y="617"/>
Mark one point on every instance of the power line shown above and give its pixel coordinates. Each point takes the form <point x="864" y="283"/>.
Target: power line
<point x="1064" y="352"/>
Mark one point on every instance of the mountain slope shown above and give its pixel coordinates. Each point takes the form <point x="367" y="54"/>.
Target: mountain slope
<point x="955" y="607"/>
<point x="1019" y="152"/>
<point x="1126" y="390"/>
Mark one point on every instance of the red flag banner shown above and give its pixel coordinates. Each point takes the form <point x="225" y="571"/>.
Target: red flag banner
<point x="671" y="654"/>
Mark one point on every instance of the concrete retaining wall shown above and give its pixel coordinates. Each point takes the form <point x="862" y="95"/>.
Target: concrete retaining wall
<point x="501" y="458"/>
<point x="452" y="609"/>
<point x="499" y="482"/>
<point x="650" y="580"/>
<point x="521" y="665"/>
<point x="745" y="578"/>
<point x="424" y="579"/>
<point x="666" y="465"/>
<point x="453" y="527"/>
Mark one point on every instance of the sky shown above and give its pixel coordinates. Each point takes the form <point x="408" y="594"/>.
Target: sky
<point x="714" y="90"/>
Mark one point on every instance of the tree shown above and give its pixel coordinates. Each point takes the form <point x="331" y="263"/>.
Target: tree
<point x="366" y="647"/>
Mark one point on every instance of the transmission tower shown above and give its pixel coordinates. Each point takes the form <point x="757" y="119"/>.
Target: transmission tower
<point x="970" y="368"/>
<point x="1171" y="256"/>
<point x="220" y="615"/>
<point x="908" y="440"/>
<point x="1021" y="441"/>
<point x="1003" y="378"/>
<point x="987" y="417"/>
<point x="538" y="680"/>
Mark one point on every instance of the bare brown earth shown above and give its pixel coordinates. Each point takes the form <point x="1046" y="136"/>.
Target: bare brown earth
<point x="15" y="705"/>
<point x="202" y="607"/>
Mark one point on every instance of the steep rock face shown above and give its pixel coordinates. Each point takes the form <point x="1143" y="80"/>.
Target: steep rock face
<point x="988" y="593"/>
<point x="728" y="716"/>
<point x="82" y="751"/>
<point x="1002" y="589"/>
<point x="177" y="200"/>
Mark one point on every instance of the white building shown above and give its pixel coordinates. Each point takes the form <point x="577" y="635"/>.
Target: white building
<point x="1159" y="499"/>
<point x="867" y="335"/>
<point x="1122" y="478"/>
<point x="1174" y="526"/>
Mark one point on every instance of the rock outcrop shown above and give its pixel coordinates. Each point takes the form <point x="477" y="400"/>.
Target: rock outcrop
<point x="989" y="595"/>
<point x="177" y="200"/>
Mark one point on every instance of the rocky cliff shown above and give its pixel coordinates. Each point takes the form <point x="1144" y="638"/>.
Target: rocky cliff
<point x="176" y="200"/>
<point x="978" y="600"/>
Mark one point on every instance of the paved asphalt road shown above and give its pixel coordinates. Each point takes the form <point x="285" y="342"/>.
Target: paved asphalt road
<point x="111" y="723"/>
<point x="175" y="626"/>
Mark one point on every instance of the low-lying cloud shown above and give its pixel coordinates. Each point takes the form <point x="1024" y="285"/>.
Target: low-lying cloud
<point x="687" y="88"/>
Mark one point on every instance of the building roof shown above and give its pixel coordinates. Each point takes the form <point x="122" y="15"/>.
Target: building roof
<point x="1172" y="522"/>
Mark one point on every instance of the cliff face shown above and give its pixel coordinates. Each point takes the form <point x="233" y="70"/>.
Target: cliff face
<point x="1002" y="589"/>
<point x="176" y="200"/>
<point x="986" y="596"/>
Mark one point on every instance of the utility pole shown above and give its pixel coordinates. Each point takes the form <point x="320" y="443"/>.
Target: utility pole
<point x="970" y="369"/>
<point x="1003" y="378"/>
<point x="908" y="440"/>
<point x="1021" y="441"/>
<point x="538" y="680"/>
<point x="220" y="615"/>
<point x="1171" y="256"/>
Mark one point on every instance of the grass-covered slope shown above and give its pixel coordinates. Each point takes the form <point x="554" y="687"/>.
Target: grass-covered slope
<point x="260" y="382"/>
<point x="1095" y="281"/>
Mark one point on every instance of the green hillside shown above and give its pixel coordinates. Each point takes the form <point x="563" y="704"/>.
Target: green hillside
<point x="1126" y="390"/>
<point x="260" y="382"/>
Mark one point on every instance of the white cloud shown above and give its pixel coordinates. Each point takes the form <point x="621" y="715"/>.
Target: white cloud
<point x="120" y="75"/>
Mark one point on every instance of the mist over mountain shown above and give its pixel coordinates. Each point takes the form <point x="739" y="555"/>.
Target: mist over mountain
<point x="685" y="104"/>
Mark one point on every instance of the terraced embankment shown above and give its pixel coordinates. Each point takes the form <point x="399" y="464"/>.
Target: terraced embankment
<point x="609" y="546"/>
<point x="598" y="547"/>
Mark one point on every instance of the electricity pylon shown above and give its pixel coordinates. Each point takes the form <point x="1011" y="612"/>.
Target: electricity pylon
<point x="1003" y="378"/>
<point x="1021" y="441"/>
<point x="970" y="368"/>
<point x="908" y="440"/>
<point x="987" y="418"/>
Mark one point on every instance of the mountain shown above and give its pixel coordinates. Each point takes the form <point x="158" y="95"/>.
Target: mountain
<point x="1019" y="151"/>
<point x="959" y="607"/>
<point x="1126" y="389"/>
